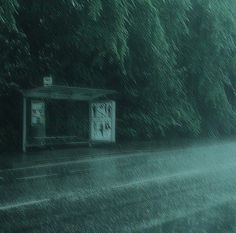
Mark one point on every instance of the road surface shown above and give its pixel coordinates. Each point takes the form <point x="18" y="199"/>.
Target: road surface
<point x="189" y="190"/>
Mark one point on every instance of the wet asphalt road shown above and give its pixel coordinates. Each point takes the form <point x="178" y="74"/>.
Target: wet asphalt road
<point x="180" y="190"/>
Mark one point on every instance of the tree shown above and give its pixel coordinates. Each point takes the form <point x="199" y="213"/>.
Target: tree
<point x="8" y="9"/>
<point x="73" y="39"/>
<point x="208" y="53"/>
<point x="153" y="82"/>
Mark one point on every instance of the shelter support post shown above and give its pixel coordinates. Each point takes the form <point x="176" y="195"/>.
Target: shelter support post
<point x="89" y="128"/>
<point x="24" y="125"/>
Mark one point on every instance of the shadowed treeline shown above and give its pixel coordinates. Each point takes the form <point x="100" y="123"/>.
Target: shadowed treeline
<point x="172" y="62"/>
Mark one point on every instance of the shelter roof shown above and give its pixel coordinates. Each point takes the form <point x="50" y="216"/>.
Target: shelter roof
<point x="67" y="93"/>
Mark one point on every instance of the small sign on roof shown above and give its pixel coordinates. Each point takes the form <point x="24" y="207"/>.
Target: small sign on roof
<point x="47" y="81"/>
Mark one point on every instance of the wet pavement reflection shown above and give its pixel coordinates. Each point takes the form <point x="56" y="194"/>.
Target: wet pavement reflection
<point x="189" y="189"/>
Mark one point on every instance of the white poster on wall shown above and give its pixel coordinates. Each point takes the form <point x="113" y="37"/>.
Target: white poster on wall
<point x="37" y="113"/>
<point x="102" y="121"/>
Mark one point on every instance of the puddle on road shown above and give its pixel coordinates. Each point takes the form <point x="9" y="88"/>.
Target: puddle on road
<point x="221" y="219"/>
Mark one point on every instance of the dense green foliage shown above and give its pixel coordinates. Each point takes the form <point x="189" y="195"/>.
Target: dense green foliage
<point x="172" y="61"/>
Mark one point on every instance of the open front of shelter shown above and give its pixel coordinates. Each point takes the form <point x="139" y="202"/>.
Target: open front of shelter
<point x="57" y="115"/>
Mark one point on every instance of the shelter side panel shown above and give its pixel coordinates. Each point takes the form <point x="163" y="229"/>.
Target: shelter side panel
<point x="102" y="121"/>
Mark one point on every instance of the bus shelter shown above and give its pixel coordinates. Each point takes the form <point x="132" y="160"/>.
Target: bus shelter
<point x="101" y="115"/>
